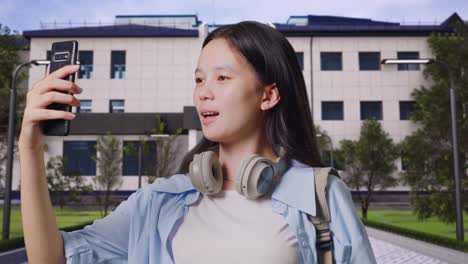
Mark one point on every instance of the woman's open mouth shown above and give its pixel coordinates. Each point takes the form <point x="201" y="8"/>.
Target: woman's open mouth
<point x="209" y="116"/>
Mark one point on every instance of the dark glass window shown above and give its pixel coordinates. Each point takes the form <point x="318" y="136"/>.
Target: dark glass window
<point x="408" y="55"/>
<point x="85" y="106"/>
<point x="78" y="157"/>
<point x="371" y="109"/>
<point x="406" y="109"/>
<point x="130" y="158"/>
<point x="86" y="64"/>
<point x="330" y="61"/>
<point x="332" y="110"/>
<point x="116" y="106"/>
<point x="118" y="64"/>
<point x="300" y="59"/>
<point x="369" y="61"/>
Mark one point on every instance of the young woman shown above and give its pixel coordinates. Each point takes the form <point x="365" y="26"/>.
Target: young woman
<point x="251" y="98"/>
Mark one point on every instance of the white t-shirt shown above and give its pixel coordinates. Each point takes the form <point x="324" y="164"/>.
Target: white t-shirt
<point x="229" y="228"/>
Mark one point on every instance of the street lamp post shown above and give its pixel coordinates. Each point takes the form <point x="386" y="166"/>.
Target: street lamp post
<point x="453" y="115"/>
<point x="10" y="146"/>
<point x="331" y="146"/>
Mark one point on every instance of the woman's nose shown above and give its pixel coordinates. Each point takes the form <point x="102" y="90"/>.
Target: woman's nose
<point x="205" y="92"/>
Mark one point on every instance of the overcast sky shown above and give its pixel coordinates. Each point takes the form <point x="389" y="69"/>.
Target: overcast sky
<point x="27" y="14"/>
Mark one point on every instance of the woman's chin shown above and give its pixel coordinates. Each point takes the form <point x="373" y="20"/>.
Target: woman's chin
<point x="213" y="136"/>
<point x="210" y="136"/>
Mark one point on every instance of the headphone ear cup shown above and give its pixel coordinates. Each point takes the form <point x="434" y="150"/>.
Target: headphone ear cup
<point x="254" y="177"/>
<point x="205" y="173"/>
<point x="241" y="172"/>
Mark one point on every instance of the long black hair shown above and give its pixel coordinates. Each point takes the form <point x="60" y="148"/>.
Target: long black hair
<point x="289" y="124"/>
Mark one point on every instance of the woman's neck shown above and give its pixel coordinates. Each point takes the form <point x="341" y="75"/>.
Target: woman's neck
<point x="232" y="154"/>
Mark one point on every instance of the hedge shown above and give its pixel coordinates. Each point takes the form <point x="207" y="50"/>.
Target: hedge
<point x="434" y="239"/>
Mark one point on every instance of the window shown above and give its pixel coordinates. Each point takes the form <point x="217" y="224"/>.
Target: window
<point x="300" y="59"/>
<point x="116" y="106"/>
<point x="86" y="64"/>
<point x="85" y="106"/>
<point x="332" y="110"/>
<point x="369" y="61"/>
<point x="408" y="55"/>
<point x="406" y="109"/>
<point x="118" y="64"/>
<point x="371" y="110"/>
<point x="78" y="157"/>
<point x="130" y="158"/>
<point x="330" y="61"/>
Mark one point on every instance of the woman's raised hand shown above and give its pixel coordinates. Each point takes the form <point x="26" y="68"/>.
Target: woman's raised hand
<point x="42" y="94"/>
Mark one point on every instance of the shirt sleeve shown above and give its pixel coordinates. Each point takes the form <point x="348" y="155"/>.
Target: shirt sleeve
<point x="105" y="240"/>
<point x="351" y="242"/>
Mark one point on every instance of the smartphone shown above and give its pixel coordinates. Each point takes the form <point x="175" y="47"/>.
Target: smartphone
<point x="62" y="53"/>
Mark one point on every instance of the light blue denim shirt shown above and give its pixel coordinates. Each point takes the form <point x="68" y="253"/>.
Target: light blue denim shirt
<point x="141" y="228"/>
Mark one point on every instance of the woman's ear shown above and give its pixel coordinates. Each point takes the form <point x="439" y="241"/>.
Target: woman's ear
<point x="270" y="97"/>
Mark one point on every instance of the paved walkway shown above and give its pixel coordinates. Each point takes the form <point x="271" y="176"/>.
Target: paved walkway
<point x="394" y="249"/>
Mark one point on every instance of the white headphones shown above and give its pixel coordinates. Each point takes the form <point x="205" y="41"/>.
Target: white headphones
<point x="254" y="178"/>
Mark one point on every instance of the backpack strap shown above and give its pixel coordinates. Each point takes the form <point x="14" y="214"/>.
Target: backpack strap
<point x="321" y="220"/>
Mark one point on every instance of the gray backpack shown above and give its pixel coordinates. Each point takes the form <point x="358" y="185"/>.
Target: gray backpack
<point x="322" y="219"/>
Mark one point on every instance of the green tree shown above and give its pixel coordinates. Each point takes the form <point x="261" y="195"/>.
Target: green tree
<point x="348" y="156"/>
<point x="324" y="145"/>
<point x="166" y="150"/>
<point x="108" y="160"/>
<point x="166" y="147"/>
<point x="427" y="152"/>
<point x="64" y="188"/>
<point x="9" y="60"/>
<point x="369" y="162"/>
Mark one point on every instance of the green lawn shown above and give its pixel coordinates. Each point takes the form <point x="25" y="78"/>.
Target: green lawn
<point x="408" y="220"/>
<point x="405" y="219"/>
<point x="67" y="217"/>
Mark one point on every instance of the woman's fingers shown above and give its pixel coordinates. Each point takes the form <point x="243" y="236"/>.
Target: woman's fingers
<point x="46" y="99"/>
<point x="36" y="114"/>
<point x="49" y="84"/>
<point x="63" y="72"/>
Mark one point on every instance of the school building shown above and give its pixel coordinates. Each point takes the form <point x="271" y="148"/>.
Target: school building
<point x="141" y="66"/>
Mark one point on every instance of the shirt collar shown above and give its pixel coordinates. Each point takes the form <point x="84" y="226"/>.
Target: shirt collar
<point x="296" y="187"/>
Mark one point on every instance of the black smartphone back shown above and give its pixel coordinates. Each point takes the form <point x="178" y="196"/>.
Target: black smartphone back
<point x="62" y="53"/>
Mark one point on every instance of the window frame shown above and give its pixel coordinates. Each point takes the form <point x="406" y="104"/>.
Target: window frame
<point x="118" y="64"/>
<point x="90" y="168"/>
<point x="119" y="108"/>
<point x="361" y="58"/>
<point x="339" y="117"/>
<point x="323" y="54"/>
<point x="380" y="114"/>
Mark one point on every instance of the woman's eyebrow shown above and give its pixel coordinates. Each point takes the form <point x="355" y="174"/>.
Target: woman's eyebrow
<point x="229" y="68"/>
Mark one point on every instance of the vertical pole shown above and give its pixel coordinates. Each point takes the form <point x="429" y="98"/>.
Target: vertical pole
<point x="10" y="153"/>
<point x="139" y="165"/>
<point x="331" y="152"/>
<point x="456" y="168"/>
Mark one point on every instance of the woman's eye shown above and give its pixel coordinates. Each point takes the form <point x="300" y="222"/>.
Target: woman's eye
<point x="222" y="78"/>
<point x="198" y="80"/>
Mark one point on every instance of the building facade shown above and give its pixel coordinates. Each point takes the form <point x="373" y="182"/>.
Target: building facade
<point x="144" y="65"/>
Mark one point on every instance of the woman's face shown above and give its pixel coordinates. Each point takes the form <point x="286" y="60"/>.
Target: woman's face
<point x="226" y="84"/>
